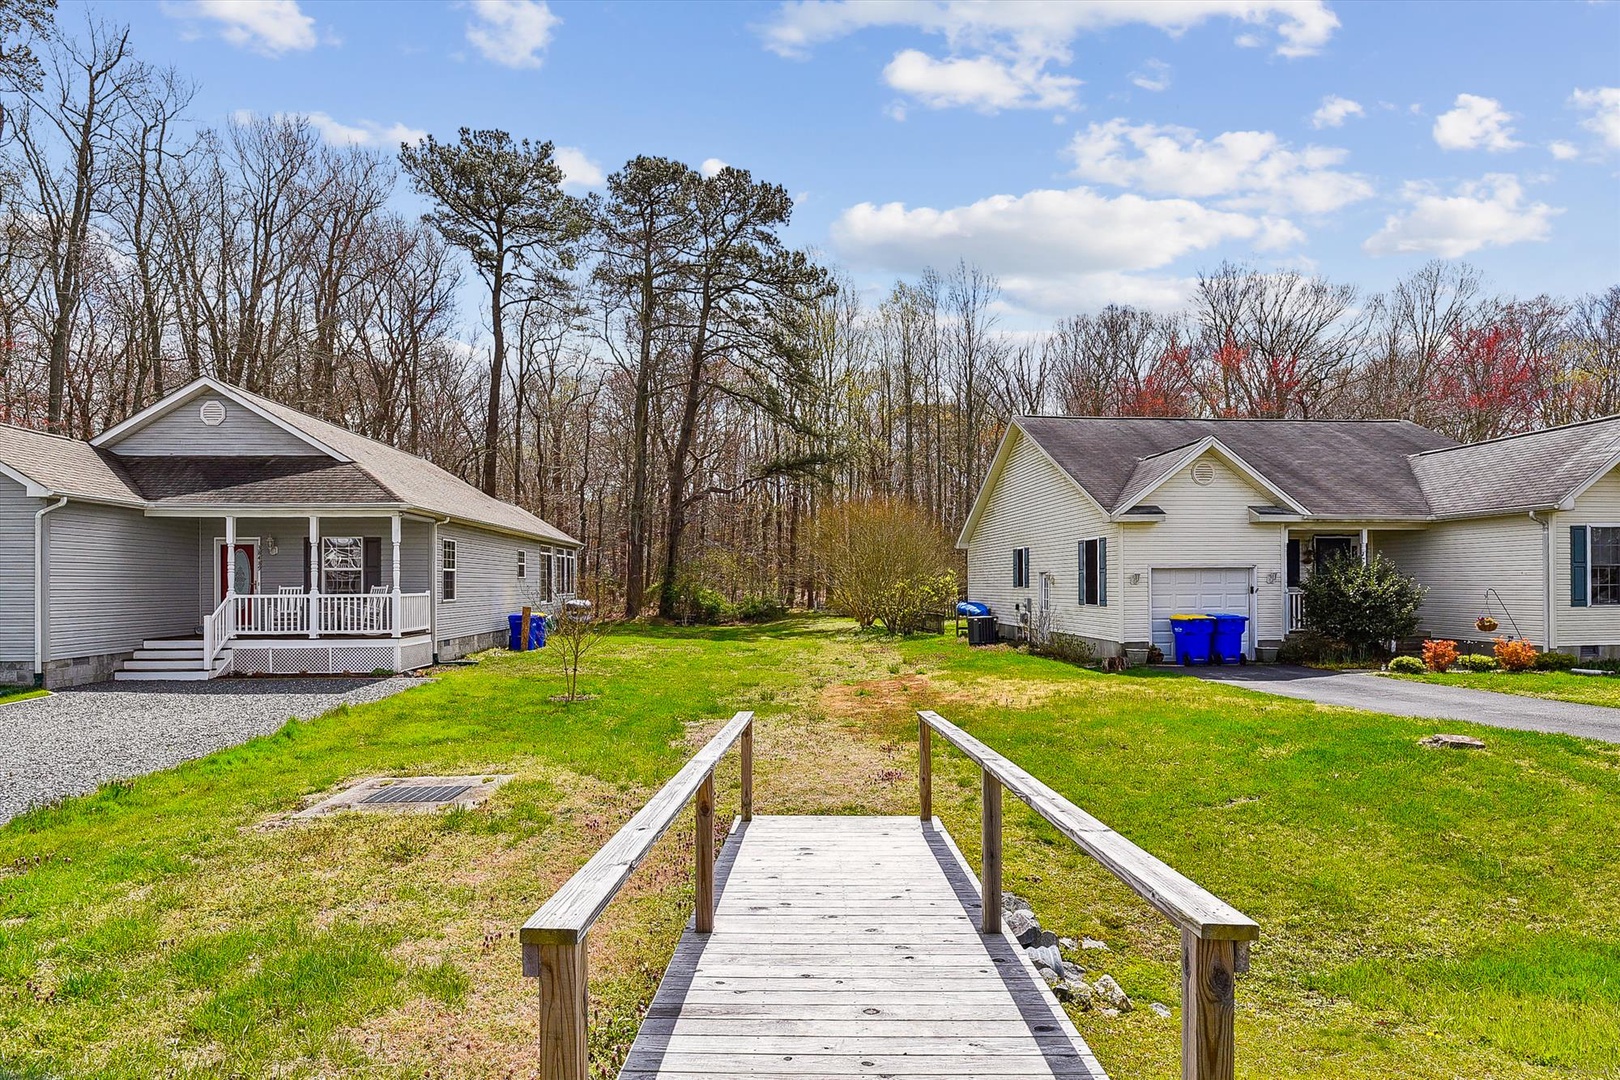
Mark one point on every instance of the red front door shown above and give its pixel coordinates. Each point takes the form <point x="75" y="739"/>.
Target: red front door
<point x="238" y="568"/>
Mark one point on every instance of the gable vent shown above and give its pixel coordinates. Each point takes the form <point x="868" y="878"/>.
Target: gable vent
<point x="1203" y="473"/>
<point x="212" y="412"/>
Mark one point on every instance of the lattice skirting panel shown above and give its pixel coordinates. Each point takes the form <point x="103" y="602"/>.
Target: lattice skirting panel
<point x="344" y="659"/>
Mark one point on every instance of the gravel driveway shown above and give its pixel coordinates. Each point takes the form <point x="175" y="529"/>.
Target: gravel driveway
<point x="67" y="743"/>
<point x="1376" y="693"/>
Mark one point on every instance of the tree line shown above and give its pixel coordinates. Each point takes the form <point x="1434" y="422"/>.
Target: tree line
<point x="653" y="367"/>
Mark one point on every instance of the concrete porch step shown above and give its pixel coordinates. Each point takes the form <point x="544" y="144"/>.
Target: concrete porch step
<point x="170" y="654"/>
<point x="189" y="675"/>
<point x="173" y="643"/>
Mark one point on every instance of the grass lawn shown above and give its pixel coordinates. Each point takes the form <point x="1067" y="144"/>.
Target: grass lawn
<point x="20" y="693"/>
<point x="1562" y="686"/>
<point x="1424" y="913"/>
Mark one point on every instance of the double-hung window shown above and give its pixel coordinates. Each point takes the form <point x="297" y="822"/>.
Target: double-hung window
<point x="1605" y="563"/>
<point x="342" y="565"/>
<point x="447" y="570"/>
<point x="1094" y="572"/>
<point x="521" y="567"/>
<point x="1021" y="568"/>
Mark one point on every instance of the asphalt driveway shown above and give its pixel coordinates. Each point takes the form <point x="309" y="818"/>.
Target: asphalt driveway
<point x="1361" y="690"/>
<point x="67" y="743"/>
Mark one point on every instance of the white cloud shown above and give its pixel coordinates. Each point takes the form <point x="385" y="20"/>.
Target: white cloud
<point x="1155" y="76"/>
<point x="268" y="27"/>
<point x="983" y="82"/>
<point x="367" y="133"/>
<point x="711" y="167"/>
<point x="1489" y="212"/>
<point x="1246" y="169"/>
<point x="1334" y="111"/>
<point x="512" y="33"/>
<point x="580" y="173"/>
<point x="1475" y="123"/>
<point x="1603" y="102"/>
<point x="1563" y="151"/>
<point x="997" y="55"/>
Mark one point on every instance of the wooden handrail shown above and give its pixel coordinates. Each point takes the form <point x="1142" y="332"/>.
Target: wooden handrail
<point x="1214" y="934"/>
<point x="553" y="939"/>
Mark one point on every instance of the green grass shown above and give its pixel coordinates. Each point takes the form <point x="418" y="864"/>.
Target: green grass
<point x="20" y="693"/>
<point x="1558" y="685"/>
<point x="1424" y="913"/>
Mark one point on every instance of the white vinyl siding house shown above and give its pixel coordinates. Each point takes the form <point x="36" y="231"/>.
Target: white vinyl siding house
<point x="1233" y="515"/>
<point x="1036" y="507"/>
<point x="218" y="532"/>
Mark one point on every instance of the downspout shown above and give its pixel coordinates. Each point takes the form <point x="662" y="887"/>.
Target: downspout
<point x="39" y="588"/>
<point x="1550" y="637"/>
<point x="435" y="580"/>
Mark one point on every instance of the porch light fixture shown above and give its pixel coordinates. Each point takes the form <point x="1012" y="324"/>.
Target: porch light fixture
<point x="271" y="547"/>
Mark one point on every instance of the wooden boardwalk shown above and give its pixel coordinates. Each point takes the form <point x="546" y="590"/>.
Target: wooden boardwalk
<point x="839" y="947"/>
<point x="850" y="947"/>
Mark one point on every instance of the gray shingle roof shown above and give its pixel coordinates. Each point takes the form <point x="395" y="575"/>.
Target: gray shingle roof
<point x="418" y="483"/>
<point x="1521" y="472"/>
<point x="1334" y="468"/>
<point x="65" y="466"/>
<point x="209" y="481"/>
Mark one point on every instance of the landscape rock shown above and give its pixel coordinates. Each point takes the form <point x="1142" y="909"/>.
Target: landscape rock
<point x="1022" y="927"/>
<point x="1047" y="940"/>
<point x="1161" y="1010"/>
<point x="1110" y="1013"/>
<point x="1094" y="944"/>
<point x="1452" y="742"/>
<point x="1047" y="956"/>
<point x="1073" y="971"/>
<point x="1011" y="902"/>
<point x="1052" y="978"/>
<point x="1075" y="990"/>
<point x="1108" y="991"/>
<point x="1068" y="943"/>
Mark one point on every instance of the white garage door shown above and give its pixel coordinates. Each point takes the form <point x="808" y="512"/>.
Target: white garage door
<point x="1201" y="589"/>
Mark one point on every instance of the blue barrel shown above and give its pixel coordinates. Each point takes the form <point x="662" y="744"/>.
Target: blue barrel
<point x="537" y="631"/>
<point x="972" y="607"/>
<point x="1226" y="644"/>
<point x="1193" y="634"/>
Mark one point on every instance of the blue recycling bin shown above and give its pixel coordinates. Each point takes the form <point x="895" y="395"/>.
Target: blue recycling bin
<point x="1193" y="635"/>
<point x="537" y="631"/>
<point x="972" y="608"/>
<point x="1226" y="643"/>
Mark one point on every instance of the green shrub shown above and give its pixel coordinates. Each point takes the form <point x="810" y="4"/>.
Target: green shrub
<point x="1407" y="665"/>
<point x="1310" y="647"/>
<point x="700" y="605"/>
<point x="1475" y="662"/>
<point x="757" y="609"/>
<point x="1362" y="604"/>
<point x="1554" y="661"/>
<point x="1600" y="665"/>
<point x="1060" y="646"/>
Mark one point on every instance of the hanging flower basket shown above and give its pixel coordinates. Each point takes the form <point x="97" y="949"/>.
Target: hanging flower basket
<point x="1485" y="624"/>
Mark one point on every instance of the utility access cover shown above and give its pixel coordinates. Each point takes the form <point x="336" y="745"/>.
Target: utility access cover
<point x="400" y="793"/>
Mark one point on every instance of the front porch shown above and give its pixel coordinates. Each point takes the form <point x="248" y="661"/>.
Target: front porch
<point x="1309" y="548"/>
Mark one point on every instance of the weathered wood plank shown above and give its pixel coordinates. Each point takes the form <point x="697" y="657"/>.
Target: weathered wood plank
<point x="1207" y="1008"/>
<point x="573" y="908"/>
<point x="1183" y="901"/>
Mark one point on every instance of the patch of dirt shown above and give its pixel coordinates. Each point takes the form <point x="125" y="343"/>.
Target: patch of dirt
<point x="876" y="698"/>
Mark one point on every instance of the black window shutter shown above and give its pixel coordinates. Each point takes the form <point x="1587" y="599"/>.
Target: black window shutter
<point x="371" y="573"/>
<point x="1293" y="564"/>
<point x="1577" y="565"/>
<point x="1102" y="572"/>
<point x="1082" y="574"/>
<point x="306" y="564"/>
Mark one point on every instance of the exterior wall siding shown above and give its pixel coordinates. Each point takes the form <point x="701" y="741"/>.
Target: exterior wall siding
<point x="243" y="434"/>
<point x="17" y="577"/>
<point x="1459" y="560"/>
<point x="1034" y="505"/>
<point x="487" y="587"/>
<point x="114" y="578"/>
<point x="1207" y="525"/>
<point x="1596" y="624"/>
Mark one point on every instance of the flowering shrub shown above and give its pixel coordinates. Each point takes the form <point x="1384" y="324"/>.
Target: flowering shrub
<point x="1476" y="662"/>
<point x="1439" y="655"/>
<point x="1407" y="665"/>
<point x="1515" y="655"/>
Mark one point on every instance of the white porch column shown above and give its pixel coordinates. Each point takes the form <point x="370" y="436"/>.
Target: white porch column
<point x="229" y="569"/>
<point x="1366" y="556"/>
<point x="396" y="600"/>
<point x="314" y="575"/>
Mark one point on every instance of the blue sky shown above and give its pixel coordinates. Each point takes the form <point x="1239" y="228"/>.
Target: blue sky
<point x="1083" y="153"/>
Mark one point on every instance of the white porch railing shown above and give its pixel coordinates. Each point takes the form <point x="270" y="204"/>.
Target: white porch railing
<point x="346" y="615"/>
<point x="1296" y="610"/>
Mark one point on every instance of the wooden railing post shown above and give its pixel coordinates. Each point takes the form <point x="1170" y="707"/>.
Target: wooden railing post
<point x="990" y="849"/>
<point x="925" y="770"/>
<point x="745" y="755"/>
<point x="704" y="815"/>
<point x="1208" y="968"/>
<point x="563" y="1009"/>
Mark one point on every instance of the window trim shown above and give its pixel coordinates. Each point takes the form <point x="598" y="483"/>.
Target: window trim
<point x="327" y="547"/>
<point x="1591" y="563"/>
<point x="448" y="574"/>
<point x="520" y="567"/>
<point x="1020" y="568"/>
